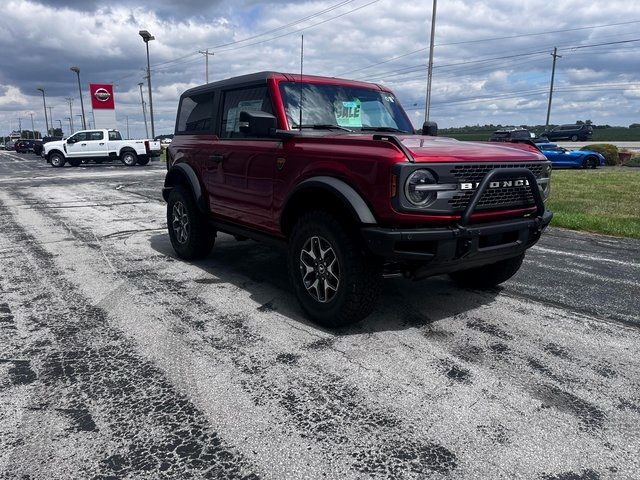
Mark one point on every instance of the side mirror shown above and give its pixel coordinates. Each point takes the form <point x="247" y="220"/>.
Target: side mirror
<point x="430" y="128"/>
<point x="257" y="124"/>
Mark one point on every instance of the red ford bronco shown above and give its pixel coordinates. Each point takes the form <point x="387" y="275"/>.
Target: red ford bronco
<point x="334" y="171"/>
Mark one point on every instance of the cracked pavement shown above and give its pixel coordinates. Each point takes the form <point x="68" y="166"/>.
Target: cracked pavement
<point x="118" y="360"/>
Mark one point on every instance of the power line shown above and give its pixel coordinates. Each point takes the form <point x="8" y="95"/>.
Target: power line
<point x="488" y="40"/>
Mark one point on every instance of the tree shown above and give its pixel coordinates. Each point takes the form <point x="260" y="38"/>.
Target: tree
<point x="634" y="125"/>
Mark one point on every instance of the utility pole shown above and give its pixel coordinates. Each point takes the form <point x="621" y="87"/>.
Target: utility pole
<point x="553" y="74"/>
<point x="33" y="128"/>
<point x="144" y="111"/>
<point x="20" y="126"/>
<point x="127" y="118"/>
<point x="60" y="122"/>
<point x="50" y="118"/>
<point x="44" y="101"/>
<point x="70" y="100"/>
<point x="206" y="62"/>
<point x="70" y="125"/>
<point x="430" y="68"/>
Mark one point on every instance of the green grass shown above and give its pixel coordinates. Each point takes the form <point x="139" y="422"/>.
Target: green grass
<point x="606" y="200"/>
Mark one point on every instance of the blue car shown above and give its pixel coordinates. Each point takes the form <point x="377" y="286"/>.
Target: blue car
<point x="563" y="158"/>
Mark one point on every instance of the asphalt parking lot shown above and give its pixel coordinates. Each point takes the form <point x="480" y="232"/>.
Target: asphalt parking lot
<point x="119" y="361"/>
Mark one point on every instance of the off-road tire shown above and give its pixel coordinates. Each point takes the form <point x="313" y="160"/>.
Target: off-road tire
<point x="129" y="158"/>
<point x="488" y="276"/>
<point x="57" y="160"/>
<point x="200" y="237"/>
<point x="143" y="161"/>
<point x="74" y="162"/>
<point x="360" y="275"/>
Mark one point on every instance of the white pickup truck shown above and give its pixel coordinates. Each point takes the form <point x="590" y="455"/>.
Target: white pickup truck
<point x="99" y="146"/>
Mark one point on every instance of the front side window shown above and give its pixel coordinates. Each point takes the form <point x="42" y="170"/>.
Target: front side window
<point x="78" y="137"/>
<point x="196" y="114"/>
<point x="236" y="101"/>
<point x="355" y="108"/>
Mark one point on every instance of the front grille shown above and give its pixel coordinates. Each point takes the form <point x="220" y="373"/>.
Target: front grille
<point x="475" y="173"/>
<point x="494" y="198"/>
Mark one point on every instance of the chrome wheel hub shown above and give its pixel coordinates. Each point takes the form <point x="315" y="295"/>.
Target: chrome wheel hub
<point x="180" y="222"/>
<point x="320" y="269"/>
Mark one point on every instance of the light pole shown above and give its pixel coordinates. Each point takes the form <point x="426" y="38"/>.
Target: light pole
<point x="20" y="126"/>
<point x="44" y="101"/>
<point x="70" y="100"/>
<point x="70" y="125"/>
<point x="430" y="69"/>
<point x="78" y="115"/>
<point x="51" y="119"/>
<point x="127" y="119"/>
<point x="147" y="37"/>
<point x="144" y="111"/>
<point x="33" y="128"/>
<point x="77" y="70"/>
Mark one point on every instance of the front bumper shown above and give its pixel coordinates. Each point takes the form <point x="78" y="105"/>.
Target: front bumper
<point x="444" y="250"/>
<point x="432" y="251"/>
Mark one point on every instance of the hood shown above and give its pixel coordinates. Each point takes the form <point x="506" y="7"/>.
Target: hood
<point x="445" y="149"/>
<point x="55" y="143"/>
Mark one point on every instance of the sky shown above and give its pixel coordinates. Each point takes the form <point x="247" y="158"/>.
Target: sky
<point x="492" y="62"/>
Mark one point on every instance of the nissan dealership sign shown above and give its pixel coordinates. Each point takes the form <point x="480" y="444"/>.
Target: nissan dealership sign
<point x="104" y="105"/>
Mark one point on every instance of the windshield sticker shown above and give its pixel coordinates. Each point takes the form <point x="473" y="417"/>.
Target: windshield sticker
<point x="348" y="114"/>
<point x="233" y="115"/>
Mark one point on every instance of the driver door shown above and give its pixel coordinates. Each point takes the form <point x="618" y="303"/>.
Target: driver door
<point x="240" y="170"/>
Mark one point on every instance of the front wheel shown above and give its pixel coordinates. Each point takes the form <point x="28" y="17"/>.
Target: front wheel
<point x="335" y="281"/>
<point x="488" y="276"/>
<point x="189" y="232"/>
<point x="57" y="160"/>
<point x="129" y="158"/>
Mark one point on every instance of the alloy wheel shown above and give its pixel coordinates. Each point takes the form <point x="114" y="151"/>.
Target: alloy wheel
<point x="320" y="269"/>
<point x="180" y="222"/>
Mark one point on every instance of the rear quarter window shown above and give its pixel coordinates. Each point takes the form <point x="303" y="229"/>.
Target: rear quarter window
<point x="196" y="114"/>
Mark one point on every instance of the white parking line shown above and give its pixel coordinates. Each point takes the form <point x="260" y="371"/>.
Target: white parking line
<point x="586" y="257"/>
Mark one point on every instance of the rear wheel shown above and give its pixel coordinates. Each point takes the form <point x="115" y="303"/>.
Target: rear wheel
<point x="488" y="276"/>
<point x="129" y="158"/>
<point x="189" y="231"/>
<point x="57" y="160"/>
<point x="335" y="281"/>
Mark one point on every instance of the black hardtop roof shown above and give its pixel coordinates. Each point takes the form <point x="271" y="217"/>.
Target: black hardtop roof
<point x="256" y="78"/>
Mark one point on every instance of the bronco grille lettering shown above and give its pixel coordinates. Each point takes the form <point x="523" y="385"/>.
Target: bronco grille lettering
<point x="497" y="184"/>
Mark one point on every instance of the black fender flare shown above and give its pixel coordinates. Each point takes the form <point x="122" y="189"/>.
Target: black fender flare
<point x="182" y="173"/>
<point x="342" y="190"/>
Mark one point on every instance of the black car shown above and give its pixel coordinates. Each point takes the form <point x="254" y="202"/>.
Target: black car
<point x="39" y="144"/>
<point x="24" y="146"/>
<point x="570" y="132"/>
<point x="510" y="134"/>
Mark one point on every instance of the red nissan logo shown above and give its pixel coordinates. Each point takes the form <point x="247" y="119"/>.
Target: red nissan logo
<point x="102" y="95"/>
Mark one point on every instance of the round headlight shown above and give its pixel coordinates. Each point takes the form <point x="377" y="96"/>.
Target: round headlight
<point x="416" y="188"/>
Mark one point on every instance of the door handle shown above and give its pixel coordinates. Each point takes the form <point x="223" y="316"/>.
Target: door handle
<point x="83" y="144"/>
<point x="217" y="158"/>
<point x="101" y="143"/>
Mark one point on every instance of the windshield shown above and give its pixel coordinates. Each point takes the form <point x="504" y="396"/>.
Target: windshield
<point x="352" y="108"/>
